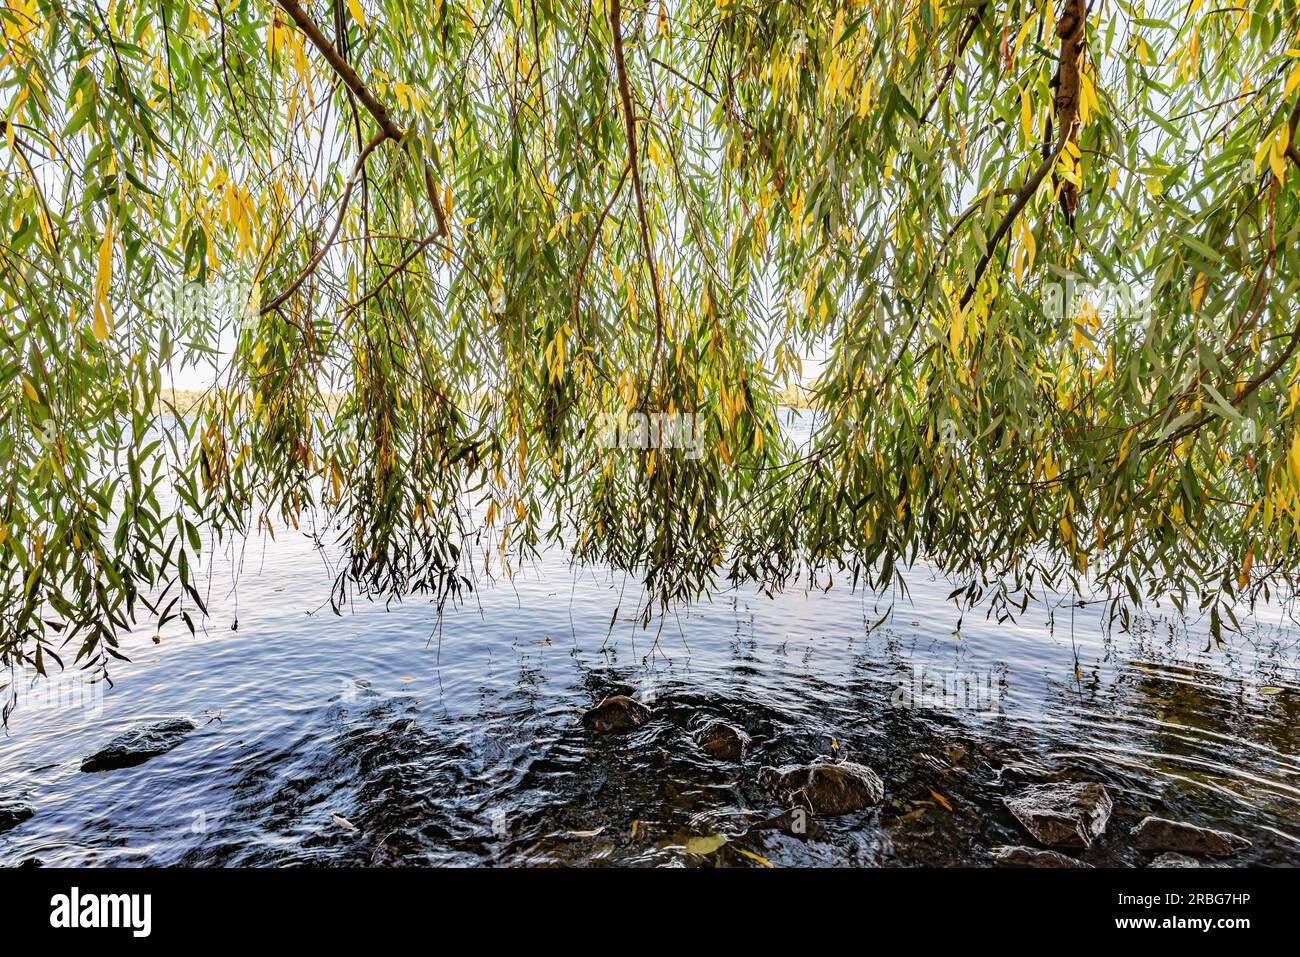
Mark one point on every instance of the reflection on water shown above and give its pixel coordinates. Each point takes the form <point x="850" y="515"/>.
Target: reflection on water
<point x="376" y="738"/>
<point x="381" y="737"/>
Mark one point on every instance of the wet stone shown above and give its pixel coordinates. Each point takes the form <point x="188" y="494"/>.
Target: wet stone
<point x="139" y="745"/>
<point x="796" y="822"/>
<point x="1170" y="859"/>
<point x="826" y="788"/>
<point x="1062" y="815"/>
<point x="1159" y="834"/>
<point x="722" y="740"/>
<point x="13" y="813"/>
<point x="1021" y="856"/>
<point x="616" y="714"/>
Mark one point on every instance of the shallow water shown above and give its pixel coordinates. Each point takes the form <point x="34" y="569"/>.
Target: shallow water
<point x="379" y="738"/>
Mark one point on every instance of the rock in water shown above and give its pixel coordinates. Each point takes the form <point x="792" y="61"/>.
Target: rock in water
<point x="1062" y="815"/>
<point x="616" y="714"/>
<point x="826" y="788"/>
<point x="139" y="745"/>
<point x="796" y="822"/>
<point x="13" y="813"/>
<point x="1158" y="834"/>
<point x="1034" y="857"/>
<point x="1170" y="859"/>
<point x="722" y="740"/>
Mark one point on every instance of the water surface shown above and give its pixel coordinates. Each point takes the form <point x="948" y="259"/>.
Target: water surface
<point x="386" y="737"/>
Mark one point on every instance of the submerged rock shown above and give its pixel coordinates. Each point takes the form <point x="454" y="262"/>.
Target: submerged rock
<point x="796" y="822"/>
<point x="722" y="740"/>
<point x="139" y="745"/>
<point x="826" y="788"/>
<point x="1021" y="856"/>
<point x="616" y="714"/>
<point x="1062" y="815"/>
<point x="1170" y="859"/>
<point x="13" y="813"/>
<point x="1159" y="834"/>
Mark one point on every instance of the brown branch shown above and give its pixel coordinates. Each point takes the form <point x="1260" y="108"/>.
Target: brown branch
<point x="1070" y="28"/>
<point x="376" y="109"/>
<point x="338" y="224"/>
<point x="625" y="96"/>
<point x="972" y="24"/>
<point x="591" y="245"/>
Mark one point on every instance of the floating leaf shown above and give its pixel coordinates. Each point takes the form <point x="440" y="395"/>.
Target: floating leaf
<point x="704" y="845"/>
<point x="755" y="857"/>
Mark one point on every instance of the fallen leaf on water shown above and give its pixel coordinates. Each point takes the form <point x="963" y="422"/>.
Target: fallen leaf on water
<point x="635" y="825"/>
<point x="704" y="845"/>
<point x="956" y="753"/>
<point x="157" y="639"/>
<point x="1271" y="690"/>
<point x="408" y="677"/>
<point x="343" y="822"/>
<point x="756" y="857"/>
<point x="941" y="799"/>
<point x="835" y="745"/>
<point x="591" y="833"/>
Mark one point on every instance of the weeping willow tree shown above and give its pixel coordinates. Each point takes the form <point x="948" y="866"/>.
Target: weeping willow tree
<point x="1045" y="252"/>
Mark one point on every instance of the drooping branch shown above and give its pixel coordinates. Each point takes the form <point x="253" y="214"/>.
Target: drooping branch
<point x="338" y="225"/>
<point x="625" y="96"/>
<point x="1071" y="30"/>
<point x="968" y="32"/>
<point x="364" y="96"/>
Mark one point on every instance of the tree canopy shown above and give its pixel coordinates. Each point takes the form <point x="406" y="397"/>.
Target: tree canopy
<point x="1046" y="252"/>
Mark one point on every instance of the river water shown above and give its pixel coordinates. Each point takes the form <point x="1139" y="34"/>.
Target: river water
<point x="386" y="737"/>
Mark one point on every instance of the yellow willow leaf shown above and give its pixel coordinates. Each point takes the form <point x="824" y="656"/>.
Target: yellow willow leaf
<point x="1293" y="459"/>
<point x="103" y="319"/>
<point x="359" y="15"/>
<point x="757" y="857"/>
<point x="957" y="331"/>
<point x="1198" y="291"/>
<point x="1124" y="448"/>
<point x="1026" y="117"/>
<point x="1292" y="82"/>
<point x="1277" y="154"/>
<point x="704" y="845"/>
<point x="1244" y="578"/>
<point x="1088" y="103"/>
<point x="30" y="390"/>
<point x="1261" y="153"/>
<point x="99" y="326"/>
